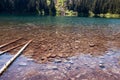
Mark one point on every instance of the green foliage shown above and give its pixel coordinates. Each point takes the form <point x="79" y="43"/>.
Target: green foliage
<point x="91" y="8"/>
<point x="94" y="7"/>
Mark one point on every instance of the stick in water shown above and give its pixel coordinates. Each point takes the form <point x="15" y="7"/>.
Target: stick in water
<point x="13" y="58"/>
<point x="1" y="46"/>
<point x="2" y="52"/>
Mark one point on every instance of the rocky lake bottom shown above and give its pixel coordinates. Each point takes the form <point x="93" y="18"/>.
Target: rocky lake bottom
<point x="82" y="67"/>
<point x="62" y="53"/>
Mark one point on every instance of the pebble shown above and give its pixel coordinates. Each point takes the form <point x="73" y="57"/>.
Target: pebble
<point x="22" y="64"/>
<point x="115" y="70"/>
<point x="71" y="62"/>
<point x="73" y="58"/>
<point x="60" y="55"/>
<point x="101" y="66"/>
<point x="48" y="55"/>
<point x="77" y="41"/>
<point x="93" y="64"/>
<point x="65" y="61"/>
<point x="30" y="59"/>
<point x="92" y="45"/>
<point x="76" y="47"/>
<point x="68" y="68"/>
<point x="78" y="75"/>
<point x="101" y="62"/>
<point x="101" y="57"/>
<point x="55" y="68"/>
<point x="52" y="67"/>
<point x="72" y="78"/>
<point x="53" y="55"/>
<point x="58" y="61"/>
<point x="84" y="79"/>
<point x="29" y="56"/>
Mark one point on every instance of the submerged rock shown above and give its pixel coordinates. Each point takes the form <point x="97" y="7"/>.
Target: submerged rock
<point x="92" y="45"/>
<point x="22" y="64"/>
<point x="101" y="66"/>
<point x="116" y="70"/>
<point x="52" y="67"/>
<point x="57" y="61"/>
<point x="30" y="59"/>
<point x="71" y="61"/>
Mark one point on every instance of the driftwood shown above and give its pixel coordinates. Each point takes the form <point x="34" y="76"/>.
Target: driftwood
<point x="1" y="46"/>
<point x="2" y="52"/>
<point x="13" y="58"/>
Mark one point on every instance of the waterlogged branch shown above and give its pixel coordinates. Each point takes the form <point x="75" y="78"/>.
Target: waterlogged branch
<point x="2" y="52"/>
<point x="1" y="46"/>
<point x="13" y="58"/>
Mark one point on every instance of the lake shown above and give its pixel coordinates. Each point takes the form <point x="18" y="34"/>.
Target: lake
<point x="62" y="46"/>
<point x="62" y="21"/>
<point x="62" y="35"/>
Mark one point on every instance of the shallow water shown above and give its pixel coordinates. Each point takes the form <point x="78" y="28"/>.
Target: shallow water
<point x="27" y="69"/>
<point x="78" y="67"/>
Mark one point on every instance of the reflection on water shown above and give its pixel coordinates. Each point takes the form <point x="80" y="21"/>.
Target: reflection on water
<point x="65" y="21"/>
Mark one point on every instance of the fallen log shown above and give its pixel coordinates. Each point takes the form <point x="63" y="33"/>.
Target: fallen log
<point x="3" y="45"/>
<point x="13" y="58"/>
<point x="2" y="52"/>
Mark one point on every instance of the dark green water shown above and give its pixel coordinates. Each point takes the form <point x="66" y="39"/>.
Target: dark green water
<point x="62" y="21"/>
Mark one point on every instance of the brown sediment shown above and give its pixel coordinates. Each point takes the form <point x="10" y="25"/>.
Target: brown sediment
<point x="61" y="42"/>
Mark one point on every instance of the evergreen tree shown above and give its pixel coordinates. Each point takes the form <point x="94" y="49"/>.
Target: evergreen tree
<point x="83" y="7"/>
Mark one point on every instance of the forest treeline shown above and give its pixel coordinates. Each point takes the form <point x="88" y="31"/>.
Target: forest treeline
<point x="84" y="7"/>
<point x="27" y="6"/>
<point x="61" y="7"/>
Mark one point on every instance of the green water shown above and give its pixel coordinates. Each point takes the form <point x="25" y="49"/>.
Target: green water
<point x="62" y="21"/>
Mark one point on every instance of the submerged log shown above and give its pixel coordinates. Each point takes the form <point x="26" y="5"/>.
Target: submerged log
<point x="1" y="46"/>
<point x="2" y="52"/>
<point x="13" y="58"/>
